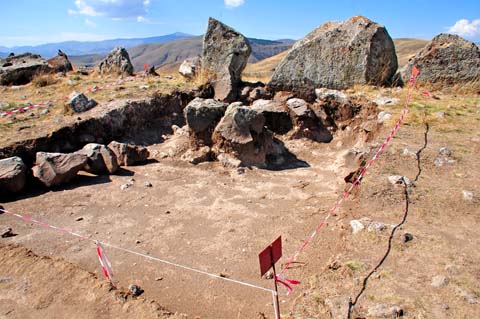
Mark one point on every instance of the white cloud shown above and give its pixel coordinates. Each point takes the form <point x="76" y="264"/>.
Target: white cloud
<point x="234" y="3"/>
<point x="115" y="9"/>
<point x="466" y="28"/>
<point x="90" y="23"/>
<point x="71" y="12"/>
<point x="142" y="19"/>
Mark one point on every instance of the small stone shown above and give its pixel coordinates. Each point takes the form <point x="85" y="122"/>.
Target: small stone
<point x="467" y="195"/>
<point x="407" y="152"/>
<point x="137" y="241"/>
<point x="444" y="151"/>
<point x="78" y="219"/>
<point x="356" y="225"/>
<point x="469" y="297"/>
<point x="439" y="281"/>
<point x="148" y="184"/>
<point x="445" y="306"/>
<point x="135" y="290"/>
<point x="159" y="279"/>
<point x="168" y="212"/>
<point x="383" y="311"/>
<point x="125" y="186"/>
<point x="223" y="275"/>
<point x="268" y="275"/>
<point x="383" y="116"/>
<point x="6" y="232"/>
<point x="440" y="115"/>
<point x="452" y="269"/>
<point x="45" y="112"/>
<point x="398" y="180"/>
<point x="376" y="226"/>
<point x="144" y="87"/>
<point x="407" y="237"/>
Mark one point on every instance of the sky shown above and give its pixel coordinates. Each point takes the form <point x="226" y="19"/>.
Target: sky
<point x="33" y="22"/>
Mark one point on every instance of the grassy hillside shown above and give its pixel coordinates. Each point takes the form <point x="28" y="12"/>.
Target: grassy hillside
<point x="407" y="48"/>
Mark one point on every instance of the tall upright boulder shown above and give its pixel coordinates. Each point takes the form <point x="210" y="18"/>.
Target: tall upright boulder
<point x="60" y="63"/>
<point x="338" y="55"/>
<point x="447" y="59"/>
<point x="116" y="62"/>
<point x="225" y="56"/>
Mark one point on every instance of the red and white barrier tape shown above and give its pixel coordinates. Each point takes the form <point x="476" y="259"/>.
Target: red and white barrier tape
<point x="27" y="107"/>
<point x="105" y="263"/>
<point x="288" y="282"/>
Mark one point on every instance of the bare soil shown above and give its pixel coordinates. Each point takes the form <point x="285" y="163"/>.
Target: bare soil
<point x="218" y="220"/>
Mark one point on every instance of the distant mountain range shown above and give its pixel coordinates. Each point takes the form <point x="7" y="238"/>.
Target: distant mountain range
<point x="89" y="47"/>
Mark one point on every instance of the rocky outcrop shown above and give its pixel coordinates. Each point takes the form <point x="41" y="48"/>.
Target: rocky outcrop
<point x="447" y="59"/>
<point x="116" y="62"/>
<point x="202" y="116"/>
<point x="21" y="69"/>
<point x="128" y="154"/>
<point x="338" y="55"/>
<point x="58" y="168"/>
<point x="100" y="159"/>
<point x="60" y="63"/>
<point x="225" y="55"/>
<point x="79" y="103"/>
<point x="190" y="68"/>
<point x="12" y="175"/>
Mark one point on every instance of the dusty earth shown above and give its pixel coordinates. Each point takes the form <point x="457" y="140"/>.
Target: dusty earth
<point x="218" y="220"/>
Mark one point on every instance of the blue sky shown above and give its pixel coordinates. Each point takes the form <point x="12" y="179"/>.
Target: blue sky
<point x="30" y="22"/>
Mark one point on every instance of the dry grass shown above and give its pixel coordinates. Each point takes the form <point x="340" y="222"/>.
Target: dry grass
<point x="407" y="48"/>
<point x="263" y="70"/>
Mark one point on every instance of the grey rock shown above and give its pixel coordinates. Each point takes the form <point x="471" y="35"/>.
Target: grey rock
<point x="45" y="112"/>
<point x="466" y="295"/>
<point x="197" y="156"/>
<point x="277" y="118"/>
<point x="407" y="237"/>
<point x="57" y="168"/>
<point x="191" y="67"/>
<point x="376" y="227"/>
<point x="6" y="232"/>
<point x="135" y="289"/>
<point x="79" y="103"/>
<point x="128" y="154"/>
<point x="338" y="56"/>
<point x="439" y="281"/>
<point x="444" y="157"/>
<point x="225" y="56"/>
<point x="399" y="180"/>
<point x="125" y="186"/>
<point x="101" y="159"/>
<point x="202" y="116"/>
<point x="21" y="69"/>
<point x="381" y="100"/>
<point x="383" y="116"/>
<point x="148" y="184"/>
<point x="467" y="195"/>
<point x="259" y="93"/>
<point x="384" y="311"/>
<point x="239" y="124"/>
<point x="357" y="226"/>
<point x="12" y="174"/>
<point x="447" y="59"/>
<point x="116" y="62"/>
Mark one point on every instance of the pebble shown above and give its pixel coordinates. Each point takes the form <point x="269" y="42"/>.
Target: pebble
<point x="159" y="279"/>
<point x="407" y="237"/>
<point x="439" y="281"/>
<point x="376" y="226"/>
<point x="469" y="297"/>
<point x="383" y="116"/>
<point x="125" y="186"/>
<point x="135" y="289"/>
<point x="148" y="184"/>
<point x="467" y="195"/>
<point x="356" y="225"/>
<point x="6" y="232"/>
<point x="383" y="311"/>
<point x="78" y="219"/>
<point x="45" y="112"/>
<point x="397" y="180"/>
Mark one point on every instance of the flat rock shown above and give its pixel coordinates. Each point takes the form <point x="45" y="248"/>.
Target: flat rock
<point x="225" y="56"/>
<point x="357" y="226"/>
<point x="12" y="174"/>
<point x="57" y="168"/>
<point x="78" y="102"/>
<point x="202" y="116"/>
<point x="21" y="69"/>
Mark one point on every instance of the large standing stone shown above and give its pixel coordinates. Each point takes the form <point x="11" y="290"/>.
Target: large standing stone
<point x="21" y="69"/>
<point x="447" y="59"/>
<point x="225" y="55"/>
<point x="101" y="159"/>
<point x="12" y="174"/>
<point x="127" y="154"/>
<point x="117" y="62"/>
<point x="60" y="63"/>
<point x="57" y="168"/>
<point x="338" y="55"/>
<point x="202" y="115"/>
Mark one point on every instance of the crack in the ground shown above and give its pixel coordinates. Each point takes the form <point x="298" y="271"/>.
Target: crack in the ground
<point x="351" y="304"/>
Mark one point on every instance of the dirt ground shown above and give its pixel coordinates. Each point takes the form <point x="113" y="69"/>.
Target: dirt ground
<point x="218" y="220"/>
